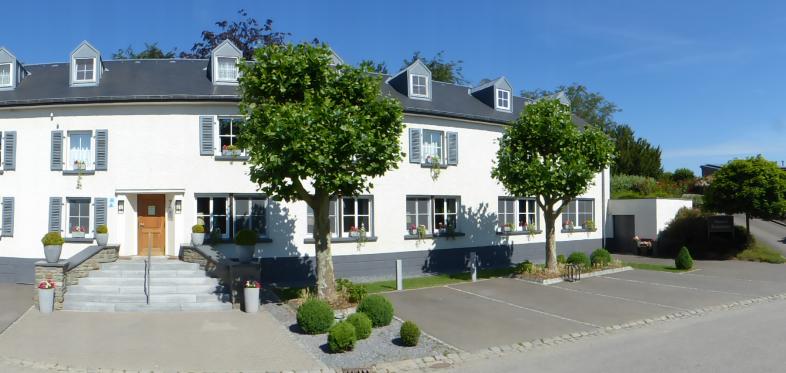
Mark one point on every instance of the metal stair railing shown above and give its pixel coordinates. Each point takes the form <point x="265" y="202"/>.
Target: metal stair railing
<point x="148" y="264"/>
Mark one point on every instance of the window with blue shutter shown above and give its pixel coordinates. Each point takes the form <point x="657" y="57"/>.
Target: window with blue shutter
<point x="452" y="145"/>
<point x="99" y="208"/>
<point x="8" y="217"/>
<point x="206" y="135"/>
<point x="102" y="147"/>
<point x="9" y="151"/>
<point x="56" y="158"/>
<point x="414" y="145"/>
<point x="55" y="214"/>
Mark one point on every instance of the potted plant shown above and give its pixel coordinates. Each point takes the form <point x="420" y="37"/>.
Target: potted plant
<point x="589" y="225"/>
<point x="53" y="245"/>
<point x="507" y="228"/>
<point x="436" y="166"/>
<point x="440" y="229"/>
<point x="230" y="150"/>
<point x="568" y="225"/>
<point x="531" y="229"/>
<point x="251" y="296"/>
<point x="421" y="233"/>
<point x="197" y="234"/>
<point x="102" y="235"/>
<point x="78" y="231"/>
<point x="46" y="296"/>
<point x="245" y="241"/>
<point x="353" y="231"/>
<point x="413" y="229"/>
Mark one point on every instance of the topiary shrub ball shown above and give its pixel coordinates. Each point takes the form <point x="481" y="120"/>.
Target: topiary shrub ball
<point x="378" y="309"/>
<point x="362" y="324"/>
<point x="683" y="259"/>
<point x="410" y="334"/>
<point x="246" y="237"/>
<point x="580" y="258"/>
<point x="315" y="316"/>
<point x="341" y="337"/>
<point x="600" y="257"/>
<point x="561" y="259"/>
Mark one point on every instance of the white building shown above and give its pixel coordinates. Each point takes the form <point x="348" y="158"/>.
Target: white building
<point x="137" y="145"/>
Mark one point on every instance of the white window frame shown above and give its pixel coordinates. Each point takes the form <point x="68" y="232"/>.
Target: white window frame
<point x="212" y="215"/>
<point x="572" y="214"/>
<point x="10" y="75"/>
<point x="412" y="79"/>
<point x="417" y="213"/>
<point x="442" y="146"/>
<point x="249" y="198"/>
<point x="90" y="162"/>
<point x="218" y="135"/>
<point x="431" y="223"/>
<point x="499" y="99"/>
<point x="517" y="213"/>
<point x="337" y="229"/>
<point x="219" y="78"/>
<point x="90" y="219"/>
<point x="76" y="70"/>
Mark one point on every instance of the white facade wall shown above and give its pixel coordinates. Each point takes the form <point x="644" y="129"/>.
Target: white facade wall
<point x="154" y="148"/>
<point x="651" y="216"/>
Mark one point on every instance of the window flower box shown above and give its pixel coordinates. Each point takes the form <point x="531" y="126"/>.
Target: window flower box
<point x="231" y="151"/>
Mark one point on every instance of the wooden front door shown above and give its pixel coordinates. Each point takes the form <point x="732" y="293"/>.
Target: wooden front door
<point x="151" y="220"/>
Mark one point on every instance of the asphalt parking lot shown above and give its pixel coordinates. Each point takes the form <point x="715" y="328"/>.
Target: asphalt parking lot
<point x="473" y="316"/>
<point x="15" y="299"/>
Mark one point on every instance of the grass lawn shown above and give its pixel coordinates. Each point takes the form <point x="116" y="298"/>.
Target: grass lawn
<point x="761" y="253"/>
<point x="654" y="267"/>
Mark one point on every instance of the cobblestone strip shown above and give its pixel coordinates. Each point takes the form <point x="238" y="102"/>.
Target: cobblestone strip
<point x="451" y="359"/>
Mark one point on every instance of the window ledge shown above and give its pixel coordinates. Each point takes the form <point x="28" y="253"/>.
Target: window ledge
<point x="426" y="165"/>
<point x="78" y="240"/>
<point x="228" y="240"/>
<point x="225" y="158"/>
<point x="577" y="230"/>
<point x="517" y="233"/>
<point x="83" y="172"/>
<point x="416" y="237"/>
<point x="342" y="239"/>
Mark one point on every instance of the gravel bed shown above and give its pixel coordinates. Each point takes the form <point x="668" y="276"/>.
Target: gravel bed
<point x="381" y="346"/>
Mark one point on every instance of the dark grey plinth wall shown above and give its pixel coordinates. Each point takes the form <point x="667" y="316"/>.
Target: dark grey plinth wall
<point x="17" y="270"/>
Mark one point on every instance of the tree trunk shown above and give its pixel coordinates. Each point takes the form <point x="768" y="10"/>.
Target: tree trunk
<point x="551" y="242"/>
<point x="748" y="223"/>
<point x="326" y="279"/>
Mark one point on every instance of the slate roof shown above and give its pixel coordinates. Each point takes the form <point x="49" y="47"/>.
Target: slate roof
<point x="187" y="80"/>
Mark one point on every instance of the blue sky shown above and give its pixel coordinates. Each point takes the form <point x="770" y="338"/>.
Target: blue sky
<point x="703" y="79"/>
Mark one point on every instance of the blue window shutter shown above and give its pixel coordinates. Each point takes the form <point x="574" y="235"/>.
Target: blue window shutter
<point x="56" y="160"/>
<point x="206" y="135"/>
<point x="414" y="145"/>
<point x="452" y="139"/>
<point x="9" y="151"/>
<point x="8" y="217"/>
<point x="99" y="208"/>
<point x="55" y="214"/>
<point x="102" y="149"/>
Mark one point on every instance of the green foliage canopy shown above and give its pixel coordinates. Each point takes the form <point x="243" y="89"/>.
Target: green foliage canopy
<point x="151" y="51"/>
<point x="753" y="186"/>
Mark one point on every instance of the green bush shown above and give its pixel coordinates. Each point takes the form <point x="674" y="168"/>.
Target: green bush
<point x="102" y="229"/>
<point x="524" y="267"/>
<point x="362" y="324"/>
<point x="246" y="237"/>
<point x="579" y="258"/>
<point x="689" y="228"/>
<point x="561" y="259"/>
<point x="683" y="260"/>
<point x="600" y="257"/>
<point x="198" y="228"/>
<point x="410" y="334"/>
<point x="315" y="316"/>
<point x="683" y="174"/>
<point x="355" y="292"/>
<point x="341" y="337"/>
<point x="378" y="309"/>
<point x="640" y="185"/>
<point x="52" y="238"/>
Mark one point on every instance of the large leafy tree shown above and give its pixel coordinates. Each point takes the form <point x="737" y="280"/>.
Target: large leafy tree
<point x="371" y="65"/>
<point x="441" y="70"/>
<point x="151" y="51"/>
<point x="314" y="132"/>
<point x="755" y="187"/>
<point x="635" y="156"/>
<point x="247" y="34"/>
<point x="544" y="154"/>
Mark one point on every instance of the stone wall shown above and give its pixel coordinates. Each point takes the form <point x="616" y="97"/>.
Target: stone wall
<point x="68" y="272"/>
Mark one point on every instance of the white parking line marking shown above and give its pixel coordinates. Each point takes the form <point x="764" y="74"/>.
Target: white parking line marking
<point x="733" y="278"/>
<point x="620" y="298"/>
<point x="522" y="307"/>
<point x="677" y="286"/>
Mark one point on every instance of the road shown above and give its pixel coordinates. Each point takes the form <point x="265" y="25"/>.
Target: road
<point x="766" y="232"/>
<point x="740" y="340"/>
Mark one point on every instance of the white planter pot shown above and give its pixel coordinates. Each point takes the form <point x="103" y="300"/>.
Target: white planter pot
<point x="251" y="299"/>
<point x="197" y="239"/>
<point x="102" y="239"/>
<point x="46" y="300"/>
<point x="52" y="253"/>
<point x="243" y="253"/>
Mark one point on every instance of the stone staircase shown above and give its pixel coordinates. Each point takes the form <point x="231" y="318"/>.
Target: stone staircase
<point x="119" y="287"/>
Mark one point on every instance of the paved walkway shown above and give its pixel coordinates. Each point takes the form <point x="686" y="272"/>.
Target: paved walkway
<point x="15" y="299"/>
<point x="226" y="341"/>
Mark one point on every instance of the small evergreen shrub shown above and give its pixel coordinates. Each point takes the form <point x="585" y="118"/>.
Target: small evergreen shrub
<point x="579" y="258"/>
<point x="102" y="229"/>
<point x="600" y="257"/>
<point x="52" y="238"/>
<point x="561" y="259"/>
<point x="341" y="337"/>
<point x="315" y="316"/>
<point x="683" y="259"/>
<point x="246" y="237"/>
<point x="378" y="309"/>
<point x="524" y="267"/>
<point x="354" y="292"/>
<point x="362" y="324"/>
<point x="198" y="228"/>
<point x="410" y="334"/>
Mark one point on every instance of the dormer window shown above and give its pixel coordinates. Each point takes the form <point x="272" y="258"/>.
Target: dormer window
<point x="418" y="85"/>
<point x="85" y="69"/>
<point x="5" y="75"/>
<point x="227" y="69"/>
<point x="503" y="99"/>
